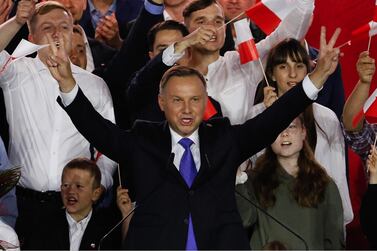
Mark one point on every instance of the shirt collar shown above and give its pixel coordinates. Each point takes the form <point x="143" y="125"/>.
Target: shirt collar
<point x="175" y="137"/>
<point x="81" y="225"/>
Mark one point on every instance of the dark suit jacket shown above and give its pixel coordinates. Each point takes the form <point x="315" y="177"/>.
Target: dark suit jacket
<point x="143" y="90"/>
<point x="55" y="233"/>
<point x="102" y="54"/>
<point x="332" y="94"/>
<point x="126" y="10"/>
<point x="165" y="201"/>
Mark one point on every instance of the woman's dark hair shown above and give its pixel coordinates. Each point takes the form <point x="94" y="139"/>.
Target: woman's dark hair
<point x="290" y="48"/>
<point x="309" y="186"/>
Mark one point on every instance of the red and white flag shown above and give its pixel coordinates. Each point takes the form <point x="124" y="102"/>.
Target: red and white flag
<point x="369" y="110"/>
<point x="364" y="32"/>
<point x="245" y="42"/>
<point x="267" y="14"/>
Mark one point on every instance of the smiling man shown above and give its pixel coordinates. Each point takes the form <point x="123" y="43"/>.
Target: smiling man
<point x="43" y="139"/>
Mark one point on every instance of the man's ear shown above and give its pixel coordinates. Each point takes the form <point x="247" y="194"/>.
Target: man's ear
<point x="97" y="193"/>
<point x="161" y="102"/>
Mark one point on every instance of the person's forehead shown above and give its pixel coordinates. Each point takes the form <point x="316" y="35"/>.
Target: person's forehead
<point x="208" y="12"/>
<point x="59" y="16"/>
<point x="167" y="35"/>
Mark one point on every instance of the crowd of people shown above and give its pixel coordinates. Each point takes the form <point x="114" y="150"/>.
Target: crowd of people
<point x="140" y="114"/>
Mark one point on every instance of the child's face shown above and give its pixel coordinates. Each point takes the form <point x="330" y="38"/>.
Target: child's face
<point x="290" y="142"/>
<point x="78" y="193"/>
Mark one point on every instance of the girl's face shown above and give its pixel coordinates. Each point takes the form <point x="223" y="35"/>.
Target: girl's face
<point x="290" y="142"/>
<point x="288" y="75"/>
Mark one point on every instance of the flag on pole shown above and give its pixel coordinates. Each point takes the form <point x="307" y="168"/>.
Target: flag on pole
<point x="245" y="42"/>
<point x="364" y="32"/>
<point x="267" y="14"/>
<point x="369" y="110"/>
<point x="210" y="110"/>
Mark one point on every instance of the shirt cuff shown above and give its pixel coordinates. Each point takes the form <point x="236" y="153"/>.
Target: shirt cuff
<point x="68" y="97"/>
<point x="153" y="8"/>
<point x="310" y="89"/>
<point x="241" y="179"/>
<point x="169" y="57"/>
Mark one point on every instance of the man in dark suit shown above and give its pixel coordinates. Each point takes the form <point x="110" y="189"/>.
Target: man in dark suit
<point x="197" y="208"/>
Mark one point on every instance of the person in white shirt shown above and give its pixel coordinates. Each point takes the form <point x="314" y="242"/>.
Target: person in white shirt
<point x="233" y="85"/>
<point x="42" y="137"/>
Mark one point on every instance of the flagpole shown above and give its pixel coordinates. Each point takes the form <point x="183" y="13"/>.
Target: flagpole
<point x="339" y="47"/>
<point x="264" y="74"/>
<point x="120" y="181"/>
<point x="370" y="36"/>
<point x="231" y="20"/>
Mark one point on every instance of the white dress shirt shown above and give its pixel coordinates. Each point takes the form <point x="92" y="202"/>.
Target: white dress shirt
<point x="42" y="137"/>
<point x="76" y="230"/>
<point x="179" y="150"/>
<point x="234" y="85"/>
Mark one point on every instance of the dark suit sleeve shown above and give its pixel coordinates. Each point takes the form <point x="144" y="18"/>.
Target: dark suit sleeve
<point x="133" y="53"/>
<point x="261" y="131"/>
<point x="107" y="137"/>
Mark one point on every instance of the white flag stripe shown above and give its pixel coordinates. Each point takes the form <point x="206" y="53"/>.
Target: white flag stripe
<point x="281" y="8"/>
<point x="243" y="31"/>
<point x="373" y="28"/>
<point x="370" y="100"/>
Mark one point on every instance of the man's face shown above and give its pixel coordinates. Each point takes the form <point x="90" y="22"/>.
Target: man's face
<point x="76" y="7"/>
<point x="212" y="16"/>
<point x="183" y="101"/>
<point x="233" y="8"/>
<point x="163" y="39"/>
<point x="56" y="23"/>
<point x="77" y="192"/>
<point x="78" y="52"/>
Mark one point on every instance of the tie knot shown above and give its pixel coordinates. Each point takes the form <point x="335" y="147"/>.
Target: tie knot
<point x="186" y="143"/>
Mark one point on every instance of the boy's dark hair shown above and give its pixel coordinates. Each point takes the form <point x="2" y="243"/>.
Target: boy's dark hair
<point x="165" y="25"/>
<point x="86" y="165"/>
<point x="197" y="5"/>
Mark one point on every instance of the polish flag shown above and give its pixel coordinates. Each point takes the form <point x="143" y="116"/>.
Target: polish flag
<point x="245" y="42"/>
<point x="210" y="110"/>
<point x="369" y="110"/>
<point x="267" y="14"/>
<point x="364" y="32"/>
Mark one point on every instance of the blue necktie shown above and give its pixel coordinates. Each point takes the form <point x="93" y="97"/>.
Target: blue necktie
<point x="188" y="171"/>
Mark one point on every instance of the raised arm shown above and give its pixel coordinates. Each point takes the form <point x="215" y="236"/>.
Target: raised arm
<point x="10" y="28"/>
<point x="365" y="67"/>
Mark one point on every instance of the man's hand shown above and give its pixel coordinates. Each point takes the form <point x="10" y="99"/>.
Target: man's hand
<point x="107" y="31"/>
<point x="58" y="63"/>
<point x="365" y="67"/>
<point x="25" y="11"/>
<point x="200" y="36"/>
<point x="328" y="59"/>
<point x="5" y="8"/>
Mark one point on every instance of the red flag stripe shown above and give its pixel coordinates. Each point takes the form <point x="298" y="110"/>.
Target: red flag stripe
<point x="265" y="18"/>
<point x="375" y="13"/>
<point x="361" y="33"/>
<point x="248" y="51"/>
<point x="210" y="110"/>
